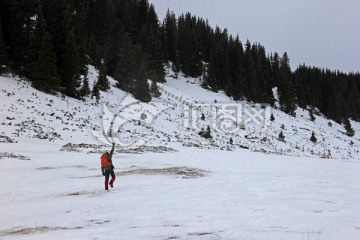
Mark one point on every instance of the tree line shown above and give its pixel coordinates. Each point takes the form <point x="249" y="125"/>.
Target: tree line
<point x="52" y="42"/>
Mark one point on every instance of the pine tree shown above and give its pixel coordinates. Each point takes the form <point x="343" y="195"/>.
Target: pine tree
<point x="141" y="91"/>
<point x="5" y="16"/>
<point x="36" y="37"/>
<point x="70" y="70"/>
<point x="250" y="74"/>
<point x="176" y="68"/>
<point x="127" y="65"/>
<point x="227" y="76"/>
<point x="301" y="85"/>
<point x="125" y="14"/>
<point x="154" y="90"/>
<point x="103" y="81"/>
<point x="260" y="80"/>
<point x="3" y="55"/>
<point x="113" y="47"/>
<point x="353" y="100"/>
<point x="85" y="88"/>
<point x="272" y="118"/>
<point x="281" y="136"/>
<point x="41" y="62"/>
<point x="150" y="40"/>
<point x="210" y="78"/>
<point x="313" y="138"/>
<point x="171" y="36"/>
<point x="152" y="48"/>
<point x="349" y="130"/>
<point x="101" y="20"/>
<point x="142" y="11"/>
<point x="96" y="92"/>
<point x="45" y="77"/>
<point x="189" y="48"/>
<point x="21" y="23"/>
<point x="207" y="133"/>
<point x="275" y="75"/>
<point x="263" y="74"/>
<point x="267" y="71"/>
<point x="94" y="52"/>
<point x="257" y="85"/>
<point x="183" y="44"/>
<point x="236" y="53"/>
<point x="123" y="81"/>
<point x="286" y="89"/>
<point x="81" y="33"/>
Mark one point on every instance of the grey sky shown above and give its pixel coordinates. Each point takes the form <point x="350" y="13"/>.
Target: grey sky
<point x="322" y="33"/>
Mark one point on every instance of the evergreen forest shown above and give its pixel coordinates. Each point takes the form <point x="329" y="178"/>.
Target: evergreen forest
<point x="51" y="43"/>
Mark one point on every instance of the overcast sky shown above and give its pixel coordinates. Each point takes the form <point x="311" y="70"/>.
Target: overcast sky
<point x="322" y="33"/>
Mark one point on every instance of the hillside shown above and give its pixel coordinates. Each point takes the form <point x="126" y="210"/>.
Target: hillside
<point x="51" y="43"/>
<point x="28" y="113"/>
<point x="178" y="185"/>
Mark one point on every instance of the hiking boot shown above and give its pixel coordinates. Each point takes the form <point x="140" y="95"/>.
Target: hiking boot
<point x="111" y="184"/>
<point x="106" y="188"/>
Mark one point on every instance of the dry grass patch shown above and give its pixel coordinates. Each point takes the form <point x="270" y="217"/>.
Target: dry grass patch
<point x="185" y="172"/>
<point x="26" y="231"/>
<point x="76" y="193"/>
<point x="200" y="234"/>
<point x="52" y="168"/>
<point x="98" y="149"/>
<point x="12" y="155"/>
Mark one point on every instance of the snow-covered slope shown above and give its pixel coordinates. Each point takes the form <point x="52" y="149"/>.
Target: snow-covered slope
<point x="27" y="113"/>
<point x="179" y="185"/>
<point x="332" y="140"/>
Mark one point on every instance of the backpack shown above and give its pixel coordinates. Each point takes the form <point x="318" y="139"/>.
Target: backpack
<point x="104" y="160"/>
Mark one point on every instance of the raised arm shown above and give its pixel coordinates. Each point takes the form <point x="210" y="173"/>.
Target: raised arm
<point x="112" y="151"/>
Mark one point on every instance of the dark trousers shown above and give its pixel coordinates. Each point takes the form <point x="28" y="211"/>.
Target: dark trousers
<point x="107" y="175"/>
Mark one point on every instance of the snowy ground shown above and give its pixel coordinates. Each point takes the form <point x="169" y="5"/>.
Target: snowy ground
<point x="197" y="194"/>
<point x="52" y="187"/>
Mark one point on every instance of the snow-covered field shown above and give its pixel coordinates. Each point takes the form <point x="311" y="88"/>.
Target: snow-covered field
<point x="187" y="194"/>
<point x="178" y="186"/>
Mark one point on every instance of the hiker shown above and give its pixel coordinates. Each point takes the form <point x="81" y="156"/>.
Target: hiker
<point x="107" y="167"/>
